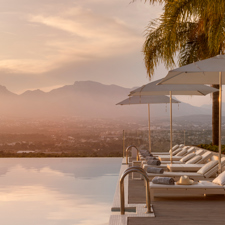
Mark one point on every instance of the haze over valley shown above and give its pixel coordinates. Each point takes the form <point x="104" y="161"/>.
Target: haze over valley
<point x="86" y="99"/>
<point x="83" y="119"/>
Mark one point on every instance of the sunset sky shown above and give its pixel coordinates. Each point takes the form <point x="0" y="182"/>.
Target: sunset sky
<point x="46" y="44"/>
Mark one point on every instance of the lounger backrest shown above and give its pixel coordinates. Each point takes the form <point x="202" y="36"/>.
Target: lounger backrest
<point x="191" y="150"/>
<point x="175" y="147"/>
<point x="207" y="155"/>
<point x="182" y="152"/>
<point x="199" y="152"/>
<point x="181" y="145"/>
<point x="194" y="160"/>
<point x="214" y="170"/>
<point x="207" y="167"/>
<point x="187" y="157"/>
<point x="176" y="151"/>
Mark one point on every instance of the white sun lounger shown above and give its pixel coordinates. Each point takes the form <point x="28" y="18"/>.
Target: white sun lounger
<point x="200" y="188"/>
<point x="164" y="153"/>
<point x="166" y="159"/>
<point x="197" y="159"/>
<point x="180" y="154"/>
<point x="208" y="170"/>
<point x="190" y="167"/>
<point x="177" y="167"/>
<point x="184" y="167"/>
<point x="204" y="158"/>
<point x="145" y="166"/>
<point x="184" y="151"/>
<point x="175" y="147"/>
<point x="163" y="164"/>
<point x="157" y="156"/>
<point x="186" y="159"/>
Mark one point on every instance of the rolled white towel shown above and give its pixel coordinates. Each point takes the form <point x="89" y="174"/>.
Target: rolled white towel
<point x="154" y="170"/>
<point x="154" y="162"/>
<point x="151" y="158"/>
<point x="163" y="180"/>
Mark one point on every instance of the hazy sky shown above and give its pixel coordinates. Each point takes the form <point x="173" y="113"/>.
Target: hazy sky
<point x="50" y="43"/>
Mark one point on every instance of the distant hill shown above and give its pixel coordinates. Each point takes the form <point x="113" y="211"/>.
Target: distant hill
<point x="86" y="99"/>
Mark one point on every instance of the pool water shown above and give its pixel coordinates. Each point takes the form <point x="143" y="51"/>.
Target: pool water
<point x="57" y="191"/>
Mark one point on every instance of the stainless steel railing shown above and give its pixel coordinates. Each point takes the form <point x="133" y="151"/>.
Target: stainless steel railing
<point x="122" y="200"/>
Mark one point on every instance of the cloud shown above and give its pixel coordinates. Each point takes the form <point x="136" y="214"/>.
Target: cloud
<point x="24" y="66"/>
<point x="52" y="42"/>
<point x="90" y="28"/>
<point x="80" y="35"/>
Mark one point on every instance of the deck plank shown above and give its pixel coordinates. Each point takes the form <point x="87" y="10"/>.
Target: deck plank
<point x="179" y="210"/>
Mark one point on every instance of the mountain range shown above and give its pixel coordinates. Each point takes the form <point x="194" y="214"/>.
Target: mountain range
<point x="85" y="99"/>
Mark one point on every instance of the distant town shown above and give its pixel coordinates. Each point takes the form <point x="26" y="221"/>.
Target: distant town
<point x="61" y="122"/>
<point x="78" y="137"/>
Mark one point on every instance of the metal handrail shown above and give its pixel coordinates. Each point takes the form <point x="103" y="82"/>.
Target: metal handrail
<point x="138" y="168"/>
<point x="127" y="149"/>
<point x="126" y="172"/>
<point x="143" y="172"/>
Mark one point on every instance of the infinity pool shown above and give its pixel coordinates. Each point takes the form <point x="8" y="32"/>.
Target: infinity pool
<point x="57" y="191"/>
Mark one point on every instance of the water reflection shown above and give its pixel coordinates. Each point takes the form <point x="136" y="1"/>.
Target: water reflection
<point x="57" y="191"/>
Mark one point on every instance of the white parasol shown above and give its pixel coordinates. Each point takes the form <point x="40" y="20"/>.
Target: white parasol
<point x="208" y="71"/>
<point x="154" y="89"/>
<point x="147" y="100"/>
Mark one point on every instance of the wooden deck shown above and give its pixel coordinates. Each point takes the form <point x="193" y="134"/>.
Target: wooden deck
<point x="180" y="210"/>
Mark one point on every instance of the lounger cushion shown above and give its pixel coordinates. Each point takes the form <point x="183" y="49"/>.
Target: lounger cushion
<point x="187" y="157"/>
<point x="176" y="151"/>
<point x="206" y="157"/>
<point x="182" y="152"/>
<point x="175" y="147"/>
<point x="206" y="154"/>
<point x="191" y="150"/>
<point x="199" y="152"/>
<point x="181" y="145"/>
<point x="194" y="159"/>
<point x="220" y="179"/>
<point x="208" y="166"/>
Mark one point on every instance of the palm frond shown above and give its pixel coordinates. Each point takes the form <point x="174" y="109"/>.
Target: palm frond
<point x="193" y="29"/>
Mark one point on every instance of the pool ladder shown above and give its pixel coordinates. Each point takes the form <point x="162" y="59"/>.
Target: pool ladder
<point x="128" y="149"/>
<point x="142" y="172"/>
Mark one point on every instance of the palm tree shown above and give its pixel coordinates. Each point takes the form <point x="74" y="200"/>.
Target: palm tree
<point x="190" y="31"/>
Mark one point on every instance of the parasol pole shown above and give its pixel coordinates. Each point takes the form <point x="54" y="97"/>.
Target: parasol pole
<point x="171" y="130"/>
<point x="149" y="130"/>
<point x="123" y="143"/>
<point x="220" y="112"/>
